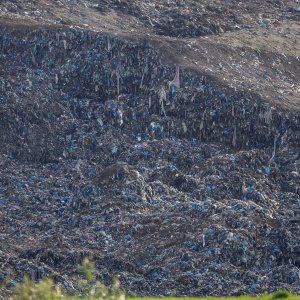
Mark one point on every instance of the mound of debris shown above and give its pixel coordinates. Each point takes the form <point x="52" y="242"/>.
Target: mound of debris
<point x="180" y="18"/>
<point x="173" y="180"/>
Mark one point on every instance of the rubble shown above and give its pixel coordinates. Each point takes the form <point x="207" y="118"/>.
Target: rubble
<point x="175" y="185"/>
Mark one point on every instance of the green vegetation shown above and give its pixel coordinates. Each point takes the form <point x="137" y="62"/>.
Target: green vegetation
<point x="88" y="288"/>
<point x="277" y="295"/>
<point x="45" y="290"/>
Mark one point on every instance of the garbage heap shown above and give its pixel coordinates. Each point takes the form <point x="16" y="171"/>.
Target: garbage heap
<point x="182" y="18"/>
<point x="191" y="189"/>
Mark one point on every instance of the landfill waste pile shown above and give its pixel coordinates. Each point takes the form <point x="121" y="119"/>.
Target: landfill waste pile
<point x="170" y="178"/>
<point x="178" y="18"/>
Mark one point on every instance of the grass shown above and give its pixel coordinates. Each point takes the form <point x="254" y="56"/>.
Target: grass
<point x="280" y="295"/>
<point x="45" y="290"/>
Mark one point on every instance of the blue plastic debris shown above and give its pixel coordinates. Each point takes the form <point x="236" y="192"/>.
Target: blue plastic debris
<point x="266" y="170"/>
<point x="87" y="191"/>
<point x="293" y="276"/>
<point x="30" y="179"/>
<point x="154" y="275"/>
<point x="153" y="201"/>
<point x="195" y="246"/>
<point x="12" y="284"/>
<point x="172" y="89"/>
<point x="210" y="232"/>
<point x="90" y="173"/>
<point x="2" y="276"/>
<point x="20" y="185"/>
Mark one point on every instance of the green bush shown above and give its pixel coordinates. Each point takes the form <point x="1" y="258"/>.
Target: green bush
<point x="281" y="295"/>
<point x="89" y="287"/>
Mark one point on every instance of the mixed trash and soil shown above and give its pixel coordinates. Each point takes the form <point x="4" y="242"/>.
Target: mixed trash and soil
<point x="158" y="138"/>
